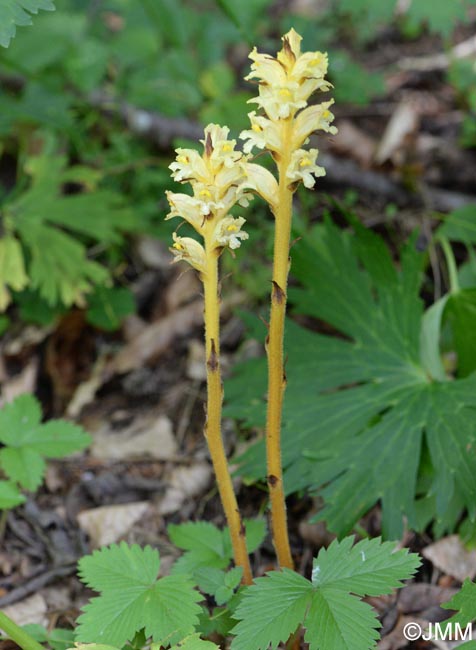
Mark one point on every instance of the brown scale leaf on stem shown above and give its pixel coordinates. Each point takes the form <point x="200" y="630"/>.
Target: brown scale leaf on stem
<point x="272" y="480"/>
<point x="212" y="362"/>
<point x="278" y="295"/>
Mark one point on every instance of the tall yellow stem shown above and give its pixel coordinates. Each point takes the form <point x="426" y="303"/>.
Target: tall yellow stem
<point x="214" y="409"/>
<point x="276" y="376"/>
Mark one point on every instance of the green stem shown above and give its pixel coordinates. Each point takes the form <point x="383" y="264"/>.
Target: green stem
<point x="451" y="265"/>
<point x="14" y="632"/>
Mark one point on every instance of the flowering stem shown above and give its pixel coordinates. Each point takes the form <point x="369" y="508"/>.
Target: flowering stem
<point x="18" y="635"/>
<point x="214" y="407"/>
<point x="276" y="375"/>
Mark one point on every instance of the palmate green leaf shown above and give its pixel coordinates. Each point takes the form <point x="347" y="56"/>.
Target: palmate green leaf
<point x="359" y="407"/>
<point x="328" y="606"/>
<point x="132" y="598"/>
<point x="18" y="12"/>
<point x="27" y="441"/>
<point x="55" y="228"/>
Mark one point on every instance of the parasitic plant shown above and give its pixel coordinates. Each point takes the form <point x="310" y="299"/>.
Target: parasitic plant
<point x="217" y="179"/>
<point x="283" y="128"/>
<point x="221" y="178"/>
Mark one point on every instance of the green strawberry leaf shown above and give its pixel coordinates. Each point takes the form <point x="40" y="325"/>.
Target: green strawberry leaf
<point x="328" y="606"/>
<point x="206" y="545"/>
<point x="27" y="441"/>
<point x="132" y="598"/>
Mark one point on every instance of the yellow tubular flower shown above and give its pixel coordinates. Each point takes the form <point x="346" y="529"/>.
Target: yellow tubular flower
<point x="228" y="233"/>
<point x="303" y="167"/>
<point x="189" y="166"/>
<point x="189" y="250"/>
<point x="187" y="207"/>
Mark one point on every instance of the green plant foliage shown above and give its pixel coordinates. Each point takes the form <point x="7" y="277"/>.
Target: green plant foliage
<point x="18" y="12"/>
<point x="57" y="638"/>
<point x="10" y="495"/>
<point x="108" y="306"/>
<point x="329" y="606"/>
<point x="205" y="545"/>
<point x="27" y="443"/>
<point x="460" y="225"/>
<point x="217" y="583"/>
<point x="464" y="602"/>
<point x="440" y="17"/>
<point x="352" y="82"/>
<point x="194" y="642"/>
<point x="43" y="247"/>
<point x="132" y="598"/>
<point x="362" y="408"/>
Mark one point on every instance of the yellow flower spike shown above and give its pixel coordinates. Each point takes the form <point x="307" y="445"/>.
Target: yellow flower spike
<point x="285" y="85"/>
<point x="217" y="179"/>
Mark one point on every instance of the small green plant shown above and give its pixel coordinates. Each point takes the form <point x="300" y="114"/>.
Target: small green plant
<point x="45" y="229"/>
<point x="27" y="443"/>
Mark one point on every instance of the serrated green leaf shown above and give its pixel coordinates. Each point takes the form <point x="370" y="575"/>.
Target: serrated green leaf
<point x="271" y="610"/>
<point x="18" y="12"/>
<point x="10" y="497"/>
<point x="27" y="441"/>
<point x="132" y="598"/>
<point x="208" y="546"/>
<point x="217" y="583"/>
<point x="359" y="407"/>
<point x="23" y="465"/>
<point x="368" y="568"/>
<point x="59" y="438"/>
<point x="329" y="606"/>
<point x="464" y="602"/>
<point x="339" y="621"/>
<point x="19" y="420"/>
<point x="55" y="229"/>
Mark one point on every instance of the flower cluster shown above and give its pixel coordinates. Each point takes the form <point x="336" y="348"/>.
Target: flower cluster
<point x="285" y="85"/>
<point x="219" y="180"/>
